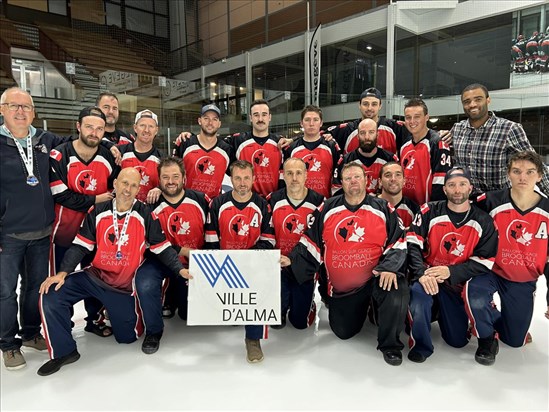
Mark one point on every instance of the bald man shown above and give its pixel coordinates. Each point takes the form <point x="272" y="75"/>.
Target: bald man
<point x="117" y="230"/>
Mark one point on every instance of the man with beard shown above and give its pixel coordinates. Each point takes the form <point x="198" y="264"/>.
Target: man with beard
<point x="391" y="182"/>
<point x="182" y="216"/>
<point x="206" y="158"/>
<point x="320" y="156"/>
<point x="368" y="154"/>
<point x="238" y="220"/>
<point x="449" y="242"/>
<point x="483" y="143"/>
<point x="119" y="230"/>
<point x="143" y="155"/>
<point x="108" y="103"/>
<point x="292" y="210"/>
<point x="361" y="242"/>
<point x="81" y="175"/>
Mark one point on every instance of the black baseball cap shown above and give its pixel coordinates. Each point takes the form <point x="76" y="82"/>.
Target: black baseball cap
<point x="457" y="171"/>
<point x="371" y="92"/>
<point x="91" y="111"/>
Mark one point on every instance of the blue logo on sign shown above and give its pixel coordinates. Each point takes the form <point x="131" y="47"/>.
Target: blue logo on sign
<point x="228" y="271"/>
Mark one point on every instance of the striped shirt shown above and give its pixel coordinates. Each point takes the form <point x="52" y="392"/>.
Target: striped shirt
<point x="485" y="151"/>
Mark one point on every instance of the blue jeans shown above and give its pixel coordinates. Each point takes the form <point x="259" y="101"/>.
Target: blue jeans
<point x="30" y="259"/>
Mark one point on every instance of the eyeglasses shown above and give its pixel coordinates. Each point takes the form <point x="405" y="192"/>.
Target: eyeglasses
<point x="12" y="107"/>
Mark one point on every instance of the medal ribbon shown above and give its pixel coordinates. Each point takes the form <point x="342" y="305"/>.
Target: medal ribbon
<point x="120" y="235"/>
<point x="27" y="158"/>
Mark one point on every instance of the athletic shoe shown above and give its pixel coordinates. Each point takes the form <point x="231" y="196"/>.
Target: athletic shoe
<point x="38" y="343"/>
<point x="13" y="359"/>
<point x="487" y="350"/>
<point x="168" y="312"/>
<point x="416" y="357"/>
<point x="254" y="354"/>
<point x="54" y="365"/>
<point x="150" y="344"/>
<point x="393" y="357"/>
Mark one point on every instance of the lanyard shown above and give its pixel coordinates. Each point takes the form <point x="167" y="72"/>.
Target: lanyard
<point x="120" y="235"/>
<point x="27" y="159"/>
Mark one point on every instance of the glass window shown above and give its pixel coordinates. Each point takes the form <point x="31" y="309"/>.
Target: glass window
<point x="139" y="21"/>
<point x="161" y="6"/>
<point x="113" y="15"/>
<point x="161" y="24"/>
<point x="57" y="7"/>
<point x="140" y="4"/>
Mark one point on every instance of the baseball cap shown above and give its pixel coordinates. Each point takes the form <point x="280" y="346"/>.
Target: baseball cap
<point x="210" y="108"/>
<point x="146" y="113"/>
<point x="371" y="92"/>
<point x="91" y="111"/>
<point x="457" y="172"/>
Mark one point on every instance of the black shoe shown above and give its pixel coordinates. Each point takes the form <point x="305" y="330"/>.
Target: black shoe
<point x="416" y="357"/>
<point x="150" y="345"/>
<point x="393" y="357"/>
<point x="282" y="323"/>
<point x="487" y="350"/>
<point x="54" y="365"/>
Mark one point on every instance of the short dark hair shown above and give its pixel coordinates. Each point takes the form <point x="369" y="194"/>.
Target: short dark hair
<point x="475" y="86"/>
<point x="260" y="101"/>
<point x="171" y="161"/>
<point x="311" y="108"/>
<point x="101" y="95"/>
<point x="241" y="164"/>
<point x="391" y="163"/>
<point x="529" y="156"/>
<point x="417" y="102"/>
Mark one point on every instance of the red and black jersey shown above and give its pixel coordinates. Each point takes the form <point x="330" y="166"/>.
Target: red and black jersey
<point x="406" y="210"/>
<point x="183" y="223"/>
<point x="352" y="241"/>
<point x="465" y="242"/>
<point x="119" y="137"/>
<point x="265" y="156"/>
<point x="425" y="164"/>
<point x="236" y="225"/>
<point x="291" y="221"/>
<point x="74" y="184"/>
<point x="97" y="232"/>
<point x="391" y="135"/>
<point x="145" y="163"/>
<point x="204" y="168"/>
<point x="321" y="158"/>
<point x="371" y="165"/>
<point x="522" y="250"/>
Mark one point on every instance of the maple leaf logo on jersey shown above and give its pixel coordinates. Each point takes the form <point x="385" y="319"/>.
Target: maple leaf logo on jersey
<point x="260" y="159"/>
<point x="350" y="231"/>
<point x="293" y="224"/>
<point x="518" y="231"/>
<point x="312" y="164"/>
<point x="204" y="165"/>
<point x="239" y="226"/>
<point x="144" y="176"/>
<point x="177" y="225"/>
<point x="86" y="182"/>
<point x="111" y="237"/>
<point x="451" y="244"/>
<point x="409" y="160"/>
<point x="371" y="182"/>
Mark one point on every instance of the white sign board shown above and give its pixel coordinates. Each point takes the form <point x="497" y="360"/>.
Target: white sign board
<point x="177" y="88"/>
<point x="234" y="287"/>
<point x="116" y="82"/>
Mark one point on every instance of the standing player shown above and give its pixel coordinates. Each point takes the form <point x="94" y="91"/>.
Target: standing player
<point x="425" y="157"/>
<point x="369" y="155"/>
<point x="143" y="154"/>
<point x="361" y="242"/>
<point x="522" y="216"/>
<point x="320" y="157"/>
<point x="206" y="158"/>
<point x="292" y="210"/>
<point x="182" y="216"/>
<point x="108" y="103"/>
<point x="260" y="148"/>
<point x="391" y="133"/>
<point x="239" y="219"/>
<point x="448" y="243"/>
<point x="391" y="182"/>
